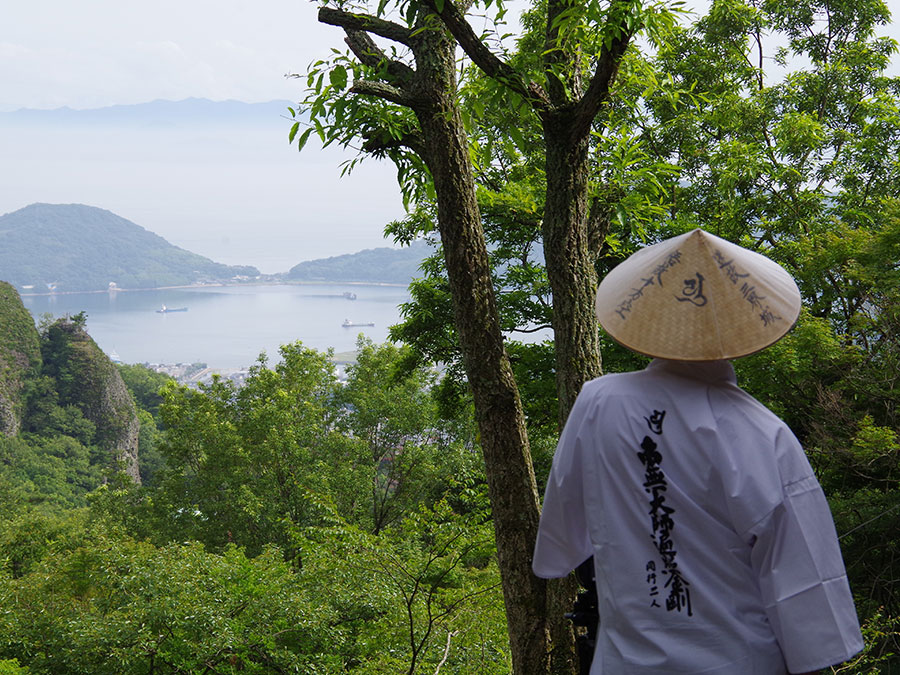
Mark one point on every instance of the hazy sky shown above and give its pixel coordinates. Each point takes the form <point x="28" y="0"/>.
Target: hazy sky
<point x="234" y="196"/>
<point x="238" y="198"/>
<point x="94" y="53"/>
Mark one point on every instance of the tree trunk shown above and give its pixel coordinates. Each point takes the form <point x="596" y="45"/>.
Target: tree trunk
<point x="570" y="269"/>
<point x="541" y="639"/>
<point x="498" y="409"/>
<point x="573" y="283"/>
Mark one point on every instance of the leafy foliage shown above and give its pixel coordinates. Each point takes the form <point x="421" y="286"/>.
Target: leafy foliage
<point x="145" y="385"/>
<point x="346" y="530"/>
<point x="20" y="357"/>
<point x="93" y="600"/>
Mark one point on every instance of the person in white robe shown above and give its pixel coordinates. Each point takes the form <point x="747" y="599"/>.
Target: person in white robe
<point x="713" y="546"/>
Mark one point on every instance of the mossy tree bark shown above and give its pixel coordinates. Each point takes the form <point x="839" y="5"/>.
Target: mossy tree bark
<point x="429" y="90"/>
<point x="567" y="108"/>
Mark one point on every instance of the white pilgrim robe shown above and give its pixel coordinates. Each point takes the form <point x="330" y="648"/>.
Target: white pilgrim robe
<point x="714" y="548"/>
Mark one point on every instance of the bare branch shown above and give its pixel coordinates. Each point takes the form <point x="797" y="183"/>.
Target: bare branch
<point x="364" y="22"/>
<point x="492" y="65"/>
<point x="450" y="635"/>
<point x="383" y="91"/>
<point x="536" y="329"/>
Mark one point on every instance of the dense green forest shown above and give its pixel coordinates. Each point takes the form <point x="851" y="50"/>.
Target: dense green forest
<point x="295" y="524"/>
<point x="84" y="248"/>
<point x="298" y="524"/>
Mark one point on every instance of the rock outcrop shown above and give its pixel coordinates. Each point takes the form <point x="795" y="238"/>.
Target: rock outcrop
<point x="87" y="379"/>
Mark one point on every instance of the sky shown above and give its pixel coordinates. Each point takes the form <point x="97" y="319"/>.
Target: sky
<point x="238" y="196"/>
<point x="95" y="53"/>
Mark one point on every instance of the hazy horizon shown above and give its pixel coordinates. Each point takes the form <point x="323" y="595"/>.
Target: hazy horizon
<point x="235" y="192"/>
<point x="220" y="182"/>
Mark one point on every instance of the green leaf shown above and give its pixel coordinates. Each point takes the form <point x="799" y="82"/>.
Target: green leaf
<point x="304" y="138"/>
<point x="320" y="130"/>
<point x="338" y="77"/>
<point x="410" y="13"/>
<point x="293" y="132"/>
<point x="516" y="135"/>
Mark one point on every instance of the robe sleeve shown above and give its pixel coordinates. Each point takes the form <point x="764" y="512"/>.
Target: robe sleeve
<point x="798" y="564"/>
<point x="563" y="540"/>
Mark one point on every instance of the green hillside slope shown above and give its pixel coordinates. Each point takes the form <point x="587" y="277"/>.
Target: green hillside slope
<point x="20" y="357"/>
<point x="84" y="248"/>
<point x="375" y="265"/>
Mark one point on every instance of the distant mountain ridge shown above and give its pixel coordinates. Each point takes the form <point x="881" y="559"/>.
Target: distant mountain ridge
<point x="73" y="247"/>
<point x="158" y="113"/>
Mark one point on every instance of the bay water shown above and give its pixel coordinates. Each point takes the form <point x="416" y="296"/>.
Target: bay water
<point x="227" y="327"/>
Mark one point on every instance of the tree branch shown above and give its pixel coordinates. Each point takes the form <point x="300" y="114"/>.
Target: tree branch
<point x="536" y="329"/>
<point x="598" y="90"/>
<point x="370" y="54"/>
<point x="380" y="144"/>
<point x="598" y="222"/>
<point x="450" y="634"/>
<point x="492" y="65"/>
<point x="364" y="22"/>
<point x="383" y="91"/>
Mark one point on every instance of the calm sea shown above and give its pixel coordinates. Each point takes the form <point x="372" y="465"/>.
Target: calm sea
<point x="227" y="327"/>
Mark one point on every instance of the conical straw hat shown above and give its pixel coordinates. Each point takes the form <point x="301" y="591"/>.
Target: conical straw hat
<point x="697" y="297"/>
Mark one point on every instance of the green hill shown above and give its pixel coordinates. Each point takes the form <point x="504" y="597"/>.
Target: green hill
<point x="20" y="357"/>
<point x="66" y="413"/>
<point x="84" y="248"/>
<point x="374" y="265"/>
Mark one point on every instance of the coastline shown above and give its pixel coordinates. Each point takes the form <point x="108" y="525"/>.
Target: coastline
<point x="229" y="325"/>
<point x="193" y="376"/>
<point x="221" y="284"/>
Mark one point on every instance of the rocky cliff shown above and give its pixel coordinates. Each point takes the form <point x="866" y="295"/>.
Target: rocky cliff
<point x="20" y="357"/>
<point x="87" y="379"/>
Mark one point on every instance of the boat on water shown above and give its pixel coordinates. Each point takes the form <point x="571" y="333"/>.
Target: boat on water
<point x="166" y="310"/>
<point x="350" y="324"/>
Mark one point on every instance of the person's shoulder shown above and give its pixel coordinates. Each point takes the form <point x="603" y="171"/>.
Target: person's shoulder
<point x="612" y="382"/>
<point x="751" y="406"/>
<point x="611" y="390"/>
<point x="746" y="416"/>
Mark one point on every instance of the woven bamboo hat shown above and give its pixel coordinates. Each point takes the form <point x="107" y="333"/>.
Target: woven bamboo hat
<point x="696" y="297"/>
